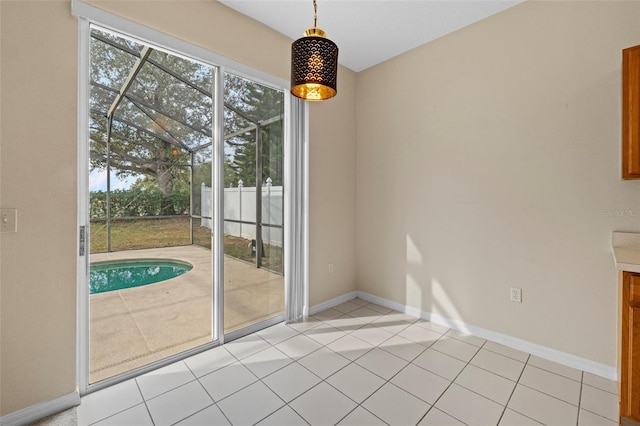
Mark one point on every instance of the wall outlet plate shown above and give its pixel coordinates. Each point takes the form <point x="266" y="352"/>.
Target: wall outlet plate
<point x="516" y="295"/>
<point x="8" y="220"/>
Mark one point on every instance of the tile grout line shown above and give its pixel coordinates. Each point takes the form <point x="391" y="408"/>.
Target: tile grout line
<point x="128" y="408"/>
<point x="599" y="415"/>
<point x="144" y="401"/>
<point x="358" y="406"/>
<point x="450" y="384"/>
<point x="205" y="389"/>
<point x="580" y="398"/>
<point x="201" y="410"/>
<point x="507" y="356"/>
<point x="299" y="415"/>
<point x="549" y="395"/>
<point x="167" y="391"/>
<point x="496" y="374"/>
<point x="528" y="362"/>
<point x="213" y="401"/>
<point x="600" y="389"/>
<point x="506" y="406"/>
<point x="557" y="374"/>
<point x="251" y="384"/>
<point x="119" y="412"/>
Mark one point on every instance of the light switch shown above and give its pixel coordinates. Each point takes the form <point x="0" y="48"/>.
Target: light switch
<point x="8" y="220"/>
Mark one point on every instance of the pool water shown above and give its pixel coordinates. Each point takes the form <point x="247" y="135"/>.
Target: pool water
<point x="110" y="276"/>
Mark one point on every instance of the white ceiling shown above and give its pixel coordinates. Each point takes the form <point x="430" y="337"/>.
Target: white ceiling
<point x="370" y="32"/>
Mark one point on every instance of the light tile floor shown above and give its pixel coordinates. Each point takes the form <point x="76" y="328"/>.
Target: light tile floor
<point x="357" y="364"/>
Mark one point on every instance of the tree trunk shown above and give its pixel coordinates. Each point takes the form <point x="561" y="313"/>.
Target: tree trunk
<point x="165" y="180"/>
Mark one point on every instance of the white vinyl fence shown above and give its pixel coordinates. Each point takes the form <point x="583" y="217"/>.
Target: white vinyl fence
<point x="240" y="204"/>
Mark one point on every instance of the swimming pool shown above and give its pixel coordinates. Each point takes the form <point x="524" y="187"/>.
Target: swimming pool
<point x="118" y="275"/>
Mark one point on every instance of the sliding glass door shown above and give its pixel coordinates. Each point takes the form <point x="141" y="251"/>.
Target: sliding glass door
<point x="178" y="260"/>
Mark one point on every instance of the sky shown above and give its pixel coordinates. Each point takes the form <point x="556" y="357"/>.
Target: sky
<point x="98" y="181"/>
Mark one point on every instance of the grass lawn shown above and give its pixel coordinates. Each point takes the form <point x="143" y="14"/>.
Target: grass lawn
<point x="171" y="232"/>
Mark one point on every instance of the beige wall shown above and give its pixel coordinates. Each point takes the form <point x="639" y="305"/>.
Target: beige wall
<point x="38" y="177"/>
<point x="38" y="82"/>
<point x="488" y="159"/>
<point x="332" y="194"/>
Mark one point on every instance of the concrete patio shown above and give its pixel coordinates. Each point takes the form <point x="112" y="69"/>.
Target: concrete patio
<point x="133" y="327"/>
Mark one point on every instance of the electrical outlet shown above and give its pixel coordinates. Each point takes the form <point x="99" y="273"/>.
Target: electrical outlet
<point x="516" y="295"/>
<point x="9" y="220"/>
<point x="331" y="268"/>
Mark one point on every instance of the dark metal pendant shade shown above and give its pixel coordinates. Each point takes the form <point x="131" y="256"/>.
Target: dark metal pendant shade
<point x="314" y="68"/>
<point x="314" y="64"/>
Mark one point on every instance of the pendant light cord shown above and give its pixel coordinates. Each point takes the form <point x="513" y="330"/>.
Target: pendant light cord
<point x="315" y="14"/>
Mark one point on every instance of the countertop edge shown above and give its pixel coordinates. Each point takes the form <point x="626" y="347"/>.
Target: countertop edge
<point x="626" y="251"/>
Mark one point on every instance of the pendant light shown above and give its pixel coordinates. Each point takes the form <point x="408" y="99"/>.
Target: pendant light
<point x="314" y="64"/>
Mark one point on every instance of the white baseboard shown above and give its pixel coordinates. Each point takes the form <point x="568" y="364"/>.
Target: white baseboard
<point x="573" y="361"/>
<point x="333" y="302"/>
<point x="41" y="410"/>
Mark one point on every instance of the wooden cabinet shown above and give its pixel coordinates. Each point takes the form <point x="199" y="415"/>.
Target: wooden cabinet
<point x="630" y="348"/>
<point x="631" y="113"/>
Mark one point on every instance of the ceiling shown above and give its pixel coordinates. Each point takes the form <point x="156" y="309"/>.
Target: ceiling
<point x="370" y="32"/>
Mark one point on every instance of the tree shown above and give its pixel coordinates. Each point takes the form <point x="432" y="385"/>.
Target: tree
<point x="166" y="115"/>
<point x="252" y="103"/>
<point x="161" y="118"/>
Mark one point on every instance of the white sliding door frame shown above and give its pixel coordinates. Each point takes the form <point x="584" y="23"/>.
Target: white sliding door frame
<point x="296" y="210"/>
<point x="296" y="184"/>
<point x="82" y="302"/>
